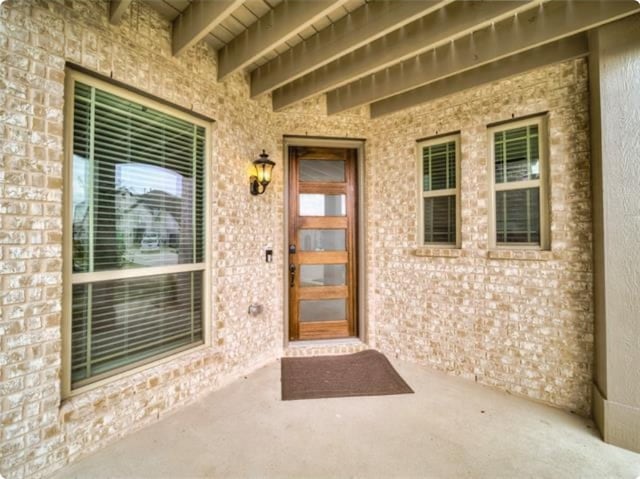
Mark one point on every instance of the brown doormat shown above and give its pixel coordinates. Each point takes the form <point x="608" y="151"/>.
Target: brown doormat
<point x="367" y="373"/>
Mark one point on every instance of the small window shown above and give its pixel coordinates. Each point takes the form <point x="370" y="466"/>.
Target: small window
<point x="135" y="253"/>
<point x="439" y="202"/>
<point x="518" y="184"/>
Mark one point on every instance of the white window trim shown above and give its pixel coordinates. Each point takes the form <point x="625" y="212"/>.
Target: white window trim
<point x="543" y="183"/>
<point x="68" y="278"/>
<point x="455" y="137"/>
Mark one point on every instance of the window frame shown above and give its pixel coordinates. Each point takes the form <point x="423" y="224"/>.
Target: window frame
<point x="421" y="144"/>
<point x="71" y="77"/>
<point x="541" y="121"/>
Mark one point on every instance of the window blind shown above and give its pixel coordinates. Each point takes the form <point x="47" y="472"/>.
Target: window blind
<point x="138" y="203"/>
<point x="517" y="185"/>
<point x="439" y="166"/>
<point x="517" y="156"/>
<point x="439" y="193"/>
<point x="120" y="322"/>
<point x="518" y="216"/>
<point x="440" y="219"/>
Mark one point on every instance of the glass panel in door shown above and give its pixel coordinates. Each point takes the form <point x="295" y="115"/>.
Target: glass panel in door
<point x="315" y="204"/>
<point x="322" y="240"/>
<point x="322" y="275"/>
<point x="322" y="170"/>
<point x="323" y="310"/>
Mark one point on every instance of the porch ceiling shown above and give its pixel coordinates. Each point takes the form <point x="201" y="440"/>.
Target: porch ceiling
<point x="390" y="54"/>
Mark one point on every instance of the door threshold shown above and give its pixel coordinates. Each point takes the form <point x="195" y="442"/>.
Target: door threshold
<point x="324" y="347"/>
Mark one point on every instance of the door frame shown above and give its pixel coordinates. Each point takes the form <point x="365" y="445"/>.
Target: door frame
<point x="328" y="142"/>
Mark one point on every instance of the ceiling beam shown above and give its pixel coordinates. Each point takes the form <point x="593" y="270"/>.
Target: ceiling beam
<point x="545" y="23"/>
<point x="418" y="36"/>
<point x="365" y="24"/>
<point x="555" y="52"/>
<point x="199" y="18"/>
<point x="117" y="9"/>
<point x="283" y="22"/>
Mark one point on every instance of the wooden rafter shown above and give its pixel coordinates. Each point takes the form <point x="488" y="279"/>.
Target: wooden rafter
<point x="117" y="9"/>
<point x="549" y="22"/>
<point x="199" y="18"/>
<point x="365" y="24"/>
<point x="451" y="21"/>
<point x="558" y="51"/>
<point x="285" y="21"/>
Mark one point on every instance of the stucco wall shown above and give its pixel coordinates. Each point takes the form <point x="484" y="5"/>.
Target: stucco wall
<point x="519" y="321"/>
<point x="464" y="315"/>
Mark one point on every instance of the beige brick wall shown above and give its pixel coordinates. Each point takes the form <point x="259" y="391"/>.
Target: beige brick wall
<point x="519" y="321"/>
<point x="541" y="348"/>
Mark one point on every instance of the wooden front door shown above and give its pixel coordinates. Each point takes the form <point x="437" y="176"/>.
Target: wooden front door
<point x="322" y="243"/>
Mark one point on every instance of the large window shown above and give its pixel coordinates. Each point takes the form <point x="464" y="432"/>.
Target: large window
<point x="135" y="247"/>
<point x="439" y="221"/>
<point x="518" y="170"/>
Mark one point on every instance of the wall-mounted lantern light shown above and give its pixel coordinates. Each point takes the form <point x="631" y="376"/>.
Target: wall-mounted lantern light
<point x="262" y="178"/>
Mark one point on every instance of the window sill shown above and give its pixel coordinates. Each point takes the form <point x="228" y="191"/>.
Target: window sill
<point x="438" y="252"/>
<point x="522" y="255"/>
<point x="146" y="370"/>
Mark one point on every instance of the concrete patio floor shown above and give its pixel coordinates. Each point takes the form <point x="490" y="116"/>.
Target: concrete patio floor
<point x="449" y="428"/>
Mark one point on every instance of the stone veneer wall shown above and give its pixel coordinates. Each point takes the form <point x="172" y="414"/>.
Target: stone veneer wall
<point x="459" y="314"/>
<point x="520" y="321"/>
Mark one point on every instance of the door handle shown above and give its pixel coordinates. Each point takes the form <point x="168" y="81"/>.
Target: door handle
<point x="292" y="275"/>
